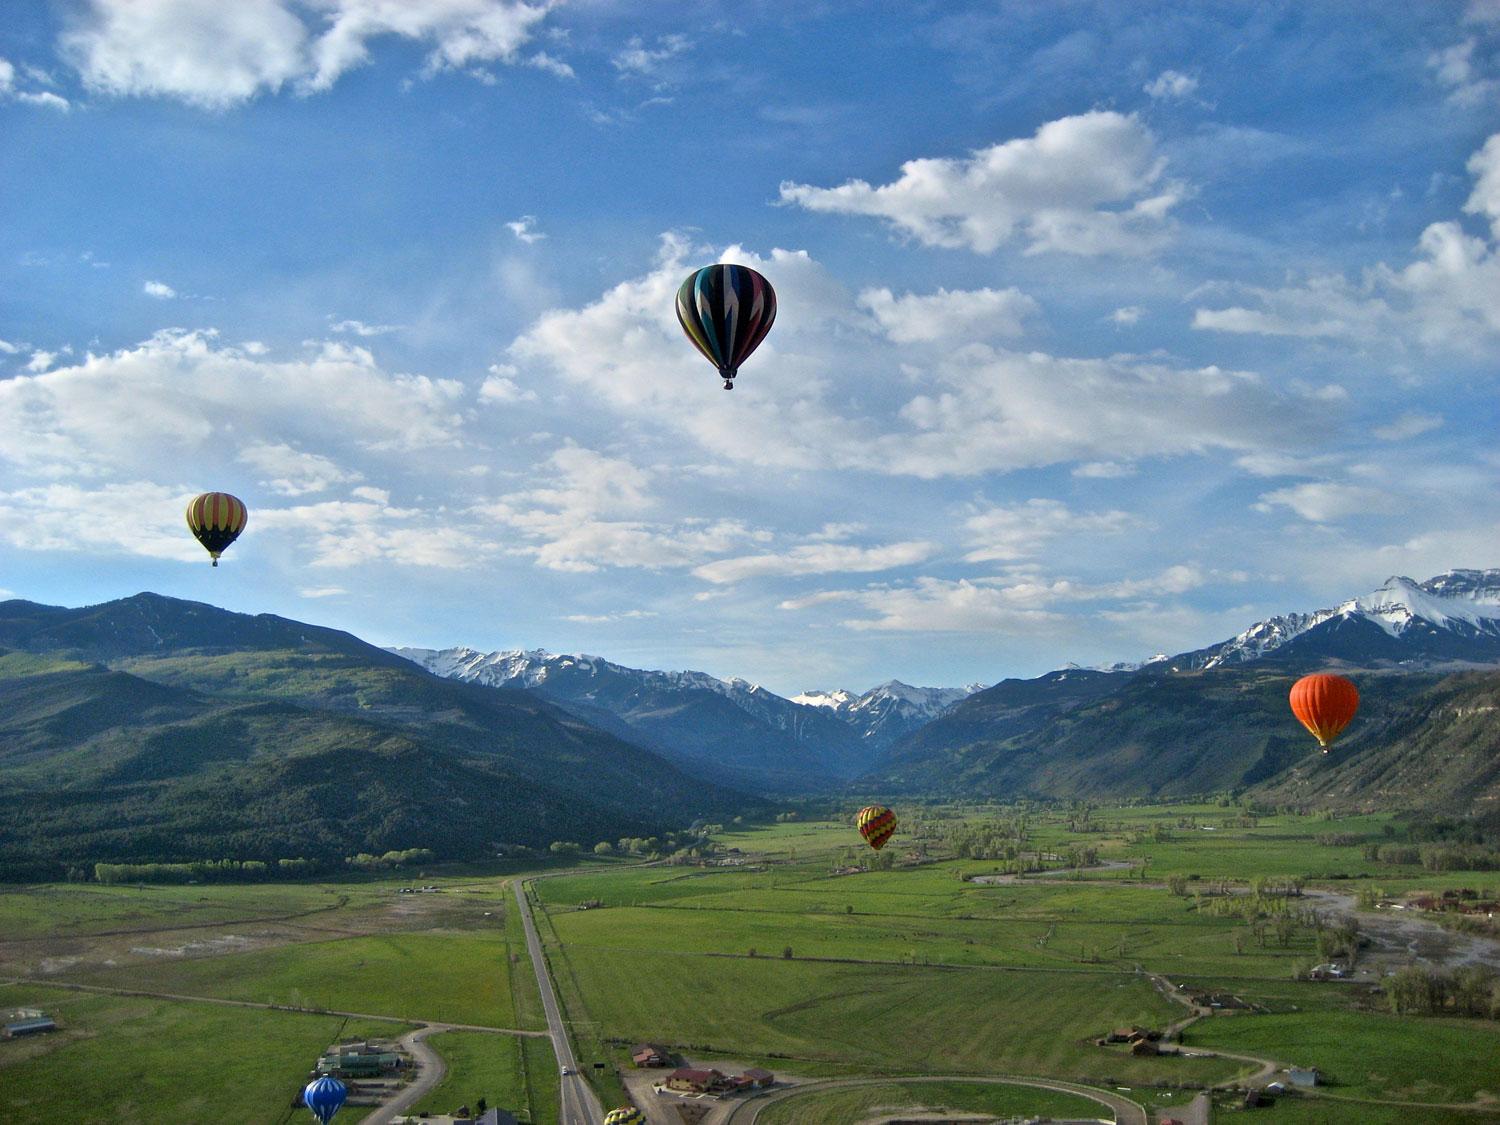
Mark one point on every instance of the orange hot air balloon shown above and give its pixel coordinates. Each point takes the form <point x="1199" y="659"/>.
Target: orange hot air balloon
<point x="216" y="520"/>
<point x="876" y="824"/>
<point x="1324" y="704"/>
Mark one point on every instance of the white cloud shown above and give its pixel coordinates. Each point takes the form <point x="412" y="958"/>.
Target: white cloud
<point x="360" y="328"/>
<point x="1446" y="298"/>
<point x="976" y="408"/>
<point x="180" y="396"/>
<point x="816" y="558"/>
<point x="216" y="54"/>
<point x="572" y="520"/>
<point x="1104" y="470"/>
<point x="1090" y="184"/>
<point x="322" y="591"/>
<point x="44" y="98"/>
<point x="638" y="59"/>
<point x="7" y="348"/>
<point x="500" y="386"/>
<point x="159" y="289"/>
<point x="524" y="229"/>
<point x="1016" y="531"/>
<point x="608" y="618"/>
<point x="341" y="534"/>
<point x="946" y="315"/>
<point x="1322" y="501"/>
<point x="1408" y="425"/>
<point x="1128" y="315"/>
<point x="40" y="360"/>
<point x="292" y="472"/>
<point x="144" y="519"/>
<point x="1171" y="85"/>
<point x="1000" y="605"/>
<point x="541" y="60"/>
<point x="1482" y="11"/>
<point x="1454" y="68"/>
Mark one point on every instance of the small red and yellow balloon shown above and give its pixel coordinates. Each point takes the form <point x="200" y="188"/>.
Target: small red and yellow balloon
<point x="216" y="520"/>
<point x="876" y="824"/>
<point x="1324" y="704"/>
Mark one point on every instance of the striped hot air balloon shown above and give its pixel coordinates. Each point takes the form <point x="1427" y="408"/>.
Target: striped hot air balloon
<point x="726" y="311"/>
<point x="1324" y="704"/>
<point x="324" y="1096"/>
<point x="626" y="1115"/>
<point x="216" y="520"/>
<point x="876" y="824"/>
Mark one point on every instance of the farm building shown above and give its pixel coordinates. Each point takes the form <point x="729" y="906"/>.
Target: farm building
<point x="758" y="1078"/>
<point x="26" y="1021"/>
<point x="1143" y="1047"/>
<point x="360" y="1060"/>
<point x="1298" y="1076"/>
<point x="688" y="1080"/>
<point x="650" y="1054"/>
<point x="488" y="1117"/>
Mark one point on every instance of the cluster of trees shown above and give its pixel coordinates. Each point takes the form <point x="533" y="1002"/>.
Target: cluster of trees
<point x="1473" y="990"/>
<point x="1001" y="838"/>
<point x="1436" y="857"/>
<point x="364" y="861"/>
<point x="203" y="871"/>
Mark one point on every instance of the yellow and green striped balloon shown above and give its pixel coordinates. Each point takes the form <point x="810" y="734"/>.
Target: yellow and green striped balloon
<point x="876" y="824"/>
<point x="216" y="520"/>
<point x="628" y="1115"/>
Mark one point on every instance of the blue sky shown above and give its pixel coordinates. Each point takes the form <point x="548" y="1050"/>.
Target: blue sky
<point x="1105" y="329"/>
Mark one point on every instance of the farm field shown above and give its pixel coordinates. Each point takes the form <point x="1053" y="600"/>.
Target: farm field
<point x="917" y="969"/>
<point x="855" y="1103"/>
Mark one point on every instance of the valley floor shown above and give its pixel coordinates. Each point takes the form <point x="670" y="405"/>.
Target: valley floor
<point x="879" y="991"/>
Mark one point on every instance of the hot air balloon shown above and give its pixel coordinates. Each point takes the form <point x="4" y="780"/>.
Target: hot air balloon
<point x="324" y="1096"/>
<point x="1324" y="704"/>
<point x="626" y="1115"/>
<point x="726" y="312"/>
<point x="216" y="520"/>
<point x="876" y="824"/>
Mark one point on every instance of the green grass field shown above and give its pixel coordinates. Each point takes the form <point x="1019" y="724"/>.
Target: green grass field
<point x="912" y="970"/>
<point x="854" y="1103"/>
<point x="138" y="1061"/>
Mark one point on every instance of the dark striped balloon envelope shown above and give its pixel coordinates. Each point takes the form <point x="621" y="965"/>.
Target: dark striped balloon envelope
<point x="726" y="311"/>
<point x="876" y="824"/>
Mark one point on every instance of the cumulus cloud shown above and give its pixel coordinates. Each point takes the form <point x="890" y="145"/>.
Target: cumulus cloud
<point x="291" y="472"/>
<point x="1128" y="315"/>
<point x="500" y="386"/>
<point x="970" y="408"/>
<point x="1016" y="531"/>
<point x="950" y="315"/>
<point x="816" y="558"/>
<point x="1171" y="85"/>
<point x="1455" y="69"/>
<point x="342" y="534"/>
<point x="144" y="519"/>
<point x="1446" y="298"/>
<point x="215" y="54"/>
<point x="1090" y="184"/>
<point x="360" y="328"/>
<point x="158" y="289"/>
<point x="589" y="512"/>
<point x="179" y="395"/>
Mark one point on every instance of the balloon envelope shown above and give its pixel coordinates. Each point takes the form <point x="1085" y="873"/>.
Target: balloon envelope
<point x="1324" y="704"/>
<point x="216" y="520"/>
<point x="876" y="824"/>
<point x="626" y="1115"/>
<point x="726" y="311"/>
<point x="324" y="1096"/>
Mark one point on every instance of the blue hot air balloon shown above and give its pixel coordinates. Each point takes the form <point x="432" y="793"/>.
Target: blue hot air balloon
<point x="324" y="1096"/>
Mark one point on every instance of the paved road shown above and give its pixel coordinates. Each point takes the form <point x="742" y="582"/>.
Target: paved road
<point x="578" y="1105"/>
<point x="430" y="1071"/>
<point x="1126" y="1111"/>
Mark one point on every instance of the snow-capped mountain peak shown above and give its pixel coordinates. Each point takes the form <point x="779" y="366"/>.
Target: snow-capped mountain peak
<point x="1458" y="605"/>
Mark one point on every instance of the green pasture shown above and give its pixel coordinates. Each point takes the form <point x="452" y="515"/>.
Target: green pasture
<point x="885" y="1017"/>
<point x="138" y="1061"/>
<point x="479" y="1064"/>
<point x="1327" y="1111"/>
<point x="459" y="977"/>
<point x="853" y="1103"/>
<point x="1371" y="1055"/>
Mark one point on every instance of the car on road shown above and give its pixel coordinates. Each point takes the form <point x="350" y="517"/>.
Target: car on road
<point x="567" y="1070"/>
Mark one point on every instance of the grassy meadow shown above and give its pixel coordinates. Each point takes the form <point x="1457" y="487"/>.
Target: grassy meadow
<point x="778" y="960"/>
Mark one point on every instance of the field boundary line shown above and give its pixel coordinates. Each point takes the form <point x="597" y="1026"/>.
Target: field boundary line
<point x="103" y="990"/>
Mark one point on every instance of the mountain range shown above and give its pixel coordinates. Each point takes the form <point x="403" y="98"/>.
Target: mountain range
<point x="731" y="730"/>
<point x="154" y="729"/>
